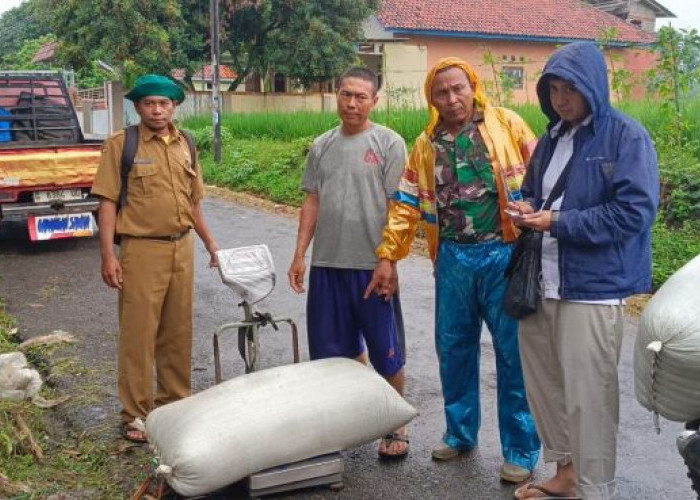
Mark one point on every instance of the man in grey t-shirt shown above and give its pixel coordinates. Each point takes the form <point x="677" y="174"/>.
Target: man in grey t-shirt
<point x="351" y="172"/>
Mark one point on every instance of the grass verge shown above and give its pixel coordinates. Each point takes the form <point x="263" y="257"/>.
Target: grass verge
<point x="42" y="455"/>
<point x="268" y="168"/>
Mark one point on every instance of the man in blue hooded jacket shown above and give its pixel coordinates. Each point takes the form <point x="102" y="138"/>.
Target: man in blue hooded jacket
<point x="596" y="252"/>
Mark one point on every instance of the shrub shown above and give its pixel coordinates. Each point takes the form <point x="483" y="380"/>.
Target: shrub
<point x="267" y="168"/>
<point x="680" y="187"/>
<point x="672" y="248"/>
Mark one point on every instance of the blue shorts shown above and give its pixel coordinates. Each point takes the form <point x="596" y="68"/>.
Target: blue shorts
<point x="340" y="322"/>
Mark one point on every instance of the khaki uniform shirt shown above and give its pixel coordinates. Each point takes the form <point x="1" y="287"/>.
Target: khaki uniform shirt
<point x="163" y="185"/>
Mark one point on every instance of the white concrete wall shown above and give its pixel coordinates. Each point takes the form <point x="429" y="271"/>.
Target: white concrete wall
<point x="405" y="67"/>
<point x="199" y="103"/>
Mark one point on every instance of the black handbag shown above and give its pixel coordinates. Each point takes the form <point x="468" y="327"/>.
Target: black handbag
<point x="523" y="275"/>
<point x="523" y="272"/>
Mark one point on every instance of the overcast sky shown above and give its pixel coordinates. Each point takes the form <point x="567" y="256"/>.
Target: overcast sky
<point x="8" y="4"/>
<point x="687" y="12"/>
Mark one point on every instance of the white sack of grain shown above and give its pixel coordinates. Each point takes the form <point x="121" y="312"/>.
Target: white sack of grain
<point x="270" y="418"/>
<point x="667" y="349"/>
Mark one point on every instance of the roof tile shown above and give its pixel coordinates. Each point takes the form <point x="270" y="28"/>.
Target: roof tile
<point x="225" y="73"/>
<point x="559" y="19"/>
<point x="46" y="52"/>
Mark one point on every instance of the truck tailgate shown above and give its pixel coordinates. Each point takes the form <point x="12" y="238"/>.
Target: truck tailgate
<point x="57" y="166"/>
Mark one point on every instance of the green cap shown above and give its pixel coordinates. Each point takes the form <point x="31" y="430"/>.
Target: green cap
<point x="156" y="85"/>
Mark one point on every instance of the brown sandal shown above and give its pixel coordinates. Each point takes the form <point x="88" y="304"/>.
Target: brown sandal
<point x="134" y="431"/>
<point x="394" y="437"/>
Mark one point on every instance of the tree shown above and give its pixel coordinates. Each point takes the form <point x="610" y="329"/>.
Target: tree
<point x="247" y="25"/>
<point x="92" y="75"/>
<point x="191" y="48"/>
<point x="136" y="36"/>
<point x="677" y="72"/>
<point x="502" y="85"/>
<point x="311" y="40"/>
<point x="620" y="77"/>
<point x="317" y="42"/>
<point x="27" y="22"/>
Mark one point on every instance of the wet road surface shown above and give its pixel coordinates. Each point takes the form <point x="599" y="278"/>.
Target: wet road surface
<point x="56" y="285"/>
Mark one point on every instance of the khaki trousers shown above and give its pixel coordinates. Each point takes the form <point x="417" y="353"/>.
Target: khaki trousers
<point x="569" y="354"/>
<point x="155" y="323"/>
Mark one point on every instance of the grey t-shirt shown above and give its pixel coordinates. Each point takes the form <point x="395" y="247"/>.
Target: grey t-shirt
<point x="353" y="176"/>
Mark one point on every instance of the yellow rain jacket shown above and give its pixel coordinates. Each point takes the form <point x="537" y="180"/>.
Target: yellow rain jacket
<point x="510" y="143"/>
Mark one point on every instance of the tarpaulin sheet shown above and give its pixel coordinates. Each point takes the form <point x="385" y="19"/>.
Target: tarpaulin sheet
<point x="50" y="166"/>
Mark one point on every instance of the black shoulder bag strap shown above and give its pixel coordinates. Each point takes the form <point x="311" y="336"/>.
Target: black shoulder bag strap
<point x="558" y="187"/>
<point x="529" y="236"/>
<point x="193" y="148"/>
<point x="131" y="144"/>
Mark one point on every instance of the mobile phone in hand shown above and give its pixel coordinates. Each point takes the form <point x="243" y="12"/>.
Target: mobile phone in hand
<point x="514" y="214"/>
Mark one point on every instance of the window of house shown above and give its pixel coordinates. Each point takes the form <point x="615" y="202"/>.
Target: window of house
<point x="515" y="75"/>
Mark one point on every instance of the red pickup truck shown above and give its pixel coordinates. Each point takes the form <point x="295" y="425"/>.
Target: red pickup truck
<point x="46" y="165"/>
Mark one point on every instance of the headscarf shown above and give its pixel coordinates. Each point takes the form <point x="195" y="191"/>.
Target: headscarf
<point x="480" y="99"/>
<point x="156" y="85"/>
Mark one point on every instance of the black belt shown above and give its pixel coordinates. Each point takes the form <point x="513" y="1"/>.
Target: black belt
<point x="172" y="237"/>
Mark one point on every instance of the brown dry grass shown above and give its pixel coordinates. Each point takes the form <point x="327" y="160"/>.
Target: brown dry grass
<point x="636" y="304"/>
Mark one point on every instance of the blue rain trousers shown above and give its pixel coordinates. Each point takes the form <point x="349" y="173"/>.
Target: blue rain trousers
<point x="469" y="290"/>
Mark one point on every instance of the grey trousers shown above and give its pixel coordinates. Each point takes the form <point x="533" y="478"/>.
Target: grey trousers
<point x="569" y="354"/>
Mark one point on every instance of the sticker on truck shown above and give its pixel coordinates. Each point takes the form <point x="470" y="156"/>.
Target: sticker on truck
<point x="52" y="227"/>
<point x="10" y="181"/>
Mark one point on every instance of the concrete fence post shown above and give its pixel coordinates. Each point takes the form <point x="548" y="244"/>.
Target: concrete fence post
<point x="114" y="94"/>
<point x="87" y="116"/>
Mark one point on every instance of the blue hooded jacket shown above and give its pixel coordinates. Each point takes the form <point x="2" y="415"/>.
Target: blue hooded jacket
<point x="612" y="192"/>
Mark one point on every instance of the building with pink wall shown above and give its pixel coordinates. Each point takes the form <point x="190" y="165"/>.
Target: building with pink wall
<point x="498" y="37"/>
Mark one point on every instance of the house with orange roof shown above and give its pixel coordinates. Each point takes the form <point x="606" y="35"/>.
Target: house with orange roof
<point x="46" y="53"/>
<point x="203" y="78"/>
<point x="507" y="41"/>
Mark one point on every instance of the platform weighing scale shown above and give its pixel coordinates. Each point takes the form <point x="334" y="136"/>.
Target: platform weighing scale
<point x="250" y="273"/>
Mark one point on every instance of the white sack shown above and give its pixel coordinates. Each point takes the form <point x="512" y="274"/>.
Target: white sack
<point x="270" y="418"/>
<point x="248" y="271"/>
<point x="17" y="380"/>
<point x="667" y="350"/>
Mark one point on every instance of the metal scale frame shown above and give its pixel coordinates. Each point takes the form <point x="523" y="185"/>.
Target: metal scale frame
<point x="250" y="273"/>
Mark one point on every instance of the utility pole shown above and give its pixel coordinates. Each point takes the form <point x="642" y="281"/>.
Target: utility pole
<point x="215" y="91"/>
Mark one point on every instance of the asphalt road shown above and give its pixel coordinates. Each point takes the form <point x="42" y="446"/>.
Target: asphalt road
<point x="56" y="285"/>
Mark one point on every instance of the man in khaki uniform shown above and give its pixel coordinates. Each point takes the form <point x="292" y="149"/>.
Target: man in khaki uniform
<point x="154" y="270"/>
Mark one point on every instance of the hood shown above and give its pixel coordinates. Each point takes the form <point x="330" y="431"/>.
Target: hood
<point x="480" y="100"/>
<point x="583" y="65"/>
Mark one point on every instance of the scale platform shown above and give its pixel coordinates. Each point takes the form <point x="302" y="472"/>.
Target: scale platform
<point x="316" y="471"/>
